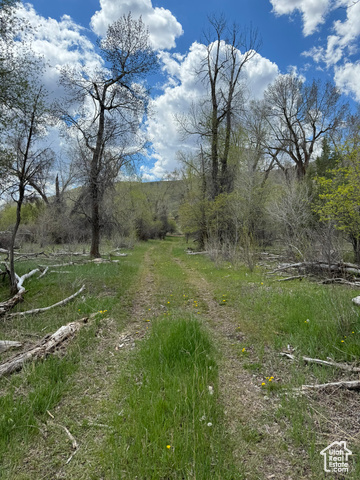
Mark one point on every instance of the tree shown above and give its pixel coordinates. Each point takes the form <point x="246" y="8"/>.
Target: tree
<point x="107" y="131"/>
<point x="27" y="167"/>
<point x="16" y="60"/>
<point x="339" y="195"/>
<point x="298" y="116"/>
<point x="227" y="52"/>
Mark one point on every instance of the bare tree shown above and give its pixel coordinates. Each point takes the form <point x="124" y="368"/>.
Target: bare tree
<point x="298" y="116"/>
<point x="228" y="50"/>
<point x="27" y="167"/>
<point x="113" y="104"/>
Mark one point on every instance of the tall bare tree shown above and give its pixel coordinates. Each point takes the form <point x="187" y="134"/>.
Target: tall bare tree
<point x="228" y="50"/>
<point x="27" y="167"/>
<point x="112" y="104"/>
<point x="298" y="116"/>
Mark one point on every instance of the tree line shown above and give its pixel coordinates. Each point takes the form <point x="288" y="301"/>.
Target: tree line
<point x="281" y="168"/>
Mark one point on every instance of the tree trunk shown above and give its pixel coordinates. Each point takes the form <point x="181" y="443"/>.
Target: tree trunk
<point x="13" y="282"/>
<point x="356" y="246"/>
<point x="94" y="183"/>
<point x="95" y="222"/>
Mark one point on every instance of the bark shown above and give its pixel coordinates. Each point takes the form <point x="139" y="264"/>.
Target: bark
<point x="94" y="181"/>
<point x="349" y="385"/>
<point x="46" y="346"/>
<point x="13" y="283"/>
<point x="7" y="344"/>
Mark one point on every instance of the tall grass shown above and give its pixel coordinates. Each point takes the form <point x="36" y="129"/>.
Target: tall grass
<point x="169" y="424"/>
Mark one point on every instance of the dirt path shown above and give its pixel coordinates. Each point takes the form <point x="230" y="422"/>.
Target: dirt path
<point x="84" y="409"/>
<point x="250" y="413"/>
<point x="244" y="401"/>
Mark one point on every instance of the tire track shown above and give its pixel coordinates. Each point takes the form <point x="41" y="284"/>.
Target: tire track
<point x="243" y="400"/>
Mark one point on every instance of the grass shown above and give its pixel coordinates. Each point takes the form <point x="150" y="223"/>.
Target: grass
<point x="26" y="397"/>
<point x="169" y="423"/>
<point x="313" y="320"/>
<point x="145" y="413"/>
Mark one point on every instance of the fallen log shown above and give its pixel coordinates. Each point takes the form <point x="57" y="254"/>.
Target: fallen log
<point x="7" y="344"/>
<point x="343" y="268"/>
<point x="45" y="309"/>
<point x="46" y="346"/>
<point x="59" y="265"/>
<point x="340" y="280"/>
<point x="349" y="385"/>
<point x="44" y="272"/>
<point x="198" y="253"/>
<point x="295" y="277"/>
<point x="342" y="366"/>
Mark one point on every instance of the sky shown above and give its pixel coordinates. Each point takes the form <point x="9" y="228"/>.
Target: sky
<point x="313" y="38"/>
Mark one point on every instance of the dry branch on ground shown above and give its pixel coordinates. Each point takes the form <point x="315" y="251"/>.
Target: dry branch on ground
<point x="46" y="346"/>
<point x="341" y="268"/>
<point x="329" y="363"/>
<point x="18" y="297"/>
<point x="7" y="344"/>
<point x="349" y="385"/>
<point x="45" y="309"/>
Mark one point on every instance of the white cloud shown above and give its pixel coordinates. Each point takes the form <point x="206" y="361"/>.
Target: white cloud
<point x="313" y="11"/>
<point x="343" y="42"/>
<point x="184" y="88"/>
<point x="340" y="45"/>
<point x="59" y="43"/>
<point x="163" y="26"/>
<point x="347" y="79"/>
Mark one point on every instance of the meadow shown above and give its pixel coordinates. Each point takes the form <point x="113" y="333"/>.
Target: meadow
<point x="178" y="372"/>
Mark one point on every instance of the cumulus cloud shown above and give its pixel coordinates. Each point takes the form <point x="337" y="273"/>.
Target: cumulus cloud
<point x="313" y="12"/>
<point x="347" y="79"/>
<point x="59" y="43"/>
<point x="340" y="45"/>
<point x="163" y="26"/>
<point x="183" y="89"/>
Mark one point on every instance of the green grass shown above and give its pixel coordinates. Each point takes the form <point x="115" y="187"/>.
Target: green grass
<point x="28" y="395"/>
<point x="316" y="321"/>
<point x="168" y="424"/>
<point x="157" y="395"/>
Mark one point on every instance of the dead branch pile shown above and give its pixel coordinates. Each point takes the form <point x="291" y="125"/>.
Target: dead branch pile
<point x="346" y="273"/>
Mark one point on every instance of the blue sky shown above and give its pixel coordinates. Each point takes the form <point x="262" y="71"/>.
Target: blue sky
<point x="316" y="38"/>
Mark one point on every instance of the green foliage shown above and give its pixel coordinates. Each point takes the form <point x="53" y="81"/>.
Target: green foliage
<point x="29" y="214"/>
<point x="327" y="161"/>
<point x="339" y="195"/>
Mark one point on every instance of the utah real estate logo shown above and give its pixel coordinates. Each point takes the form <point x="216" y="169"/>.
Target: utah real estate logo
<point x="336" y="458"/>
